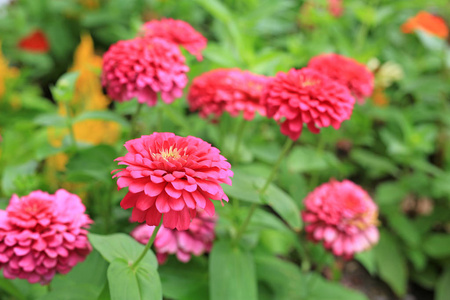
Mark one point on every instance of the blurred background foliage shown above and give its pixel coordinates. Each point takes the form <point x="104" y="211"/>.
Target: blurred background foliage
<point x="396" y="145"/>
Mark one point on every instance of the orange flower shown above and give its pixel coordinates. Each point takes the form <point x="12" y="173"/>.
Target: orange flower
<point x="427" y="22"/>
<point x="379" y="97"/>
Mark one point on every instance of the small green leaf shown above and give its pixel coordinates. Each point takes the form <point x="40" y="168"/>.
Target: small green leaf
<point x="140" y="284"/>
<point x="120" y="245"/>
<point x="232" y="273"/>
<point x="65" y="86"/>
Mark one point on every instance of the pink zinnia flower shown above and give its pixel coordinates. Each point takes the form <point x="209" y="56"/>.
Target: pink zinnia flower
<point x="230" y="90"/>
<point x="171" y="175"/>
<point x="342" y="216"/>
<point x="198" y="239"/>
<point x="306" y="96"/>
<point x="335" y="7"/>
<point x="43" y="234"/>
<point x="178" y="32"/>
<point x="142" y="68"/>
<point x="347" y="71"/>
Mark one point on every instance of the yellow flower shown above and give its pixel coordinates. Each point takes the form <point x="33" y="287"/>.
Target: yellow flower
<point x="88" y="97"/>
<point x="6" y="72"/>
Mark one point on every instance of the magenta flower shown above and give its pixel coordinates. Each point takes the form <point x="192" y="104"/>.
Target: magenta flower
<point x="342" y="216"/>
<point x="306" y="96"/>
<point x="347" y="71"/>
<point x="142" y="68"/>
<point x="230" y="90"/>
<point x="177" y="32"/>
<point x="171" y="176"/>
<point x="196" y="240"/>
<point x="43" y="234"/>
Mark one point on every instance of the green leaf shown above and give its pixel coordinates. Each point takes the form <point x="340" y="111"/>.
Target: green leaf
<point x="86" y="280"/>
<point x="104" y="115"/>
<point x="92" y="163"/>
<point x="391" y="263"/>
<point x="5" y="285"/>
<point x="120" y="245"/>
<point x="284" y="278"/>
<point x="443" y="286"/>
<point x="374" y="164"/>
<point x="437" y="245"/>
<point x="284" y="205"/>
<point x="232" y="273"/>
<point x="50" y="119"/>
<point x="367" y="259"/>
<point x="390" y="193"/>
<point x="404" y="228"/>
<point x="12" y="172"/>
<point x="65" y="86"/>
<point x="307" y="159"/>
<point x="244" y="187"/>
<point x="140" y="284"/>
<point x="321" y="289"/>
<point x="185" y="280"/>
<point x="430" y="41"/>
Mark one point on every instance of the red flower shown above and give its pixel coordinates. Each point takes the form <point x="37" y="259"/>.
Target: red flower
<point x="426" y="22"/>
<point x="142" y="68"/>
<point x="230" y="90"/>
<point x="36" y="41"/>
<point x="198" y="239"/>
<point x="178" y="32"/>
<point x="306" y="96"/>
<point x="43" y="234"/>
<point x="342" y="216"/>
<point x="171" y="175"/>
<point x="347" y="71"/>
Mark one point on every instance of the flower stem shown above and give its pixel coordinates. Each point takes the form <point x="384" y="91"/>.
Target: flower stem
<point x="149" y="244"/>
<point x="134" y="118"/>
<point x="239" y="135"/>
<point x="287" y="146"/>
<point x="70" y="127"/>
<point x="320" y="151"/>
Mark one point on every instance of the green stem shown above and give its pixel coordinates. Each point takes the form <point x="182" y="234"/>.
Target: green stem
<point x="149" y="244"/>
<point x="269" y="179"/>
<point x="134" y="118"/>
<point x="319" y="150"/>
<point x="239" y="135"/>
<point x="246" y="222"/>
<point x="70" y="127"/>
<point x="160" y="112"/>
<point x="287" y="145"/>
